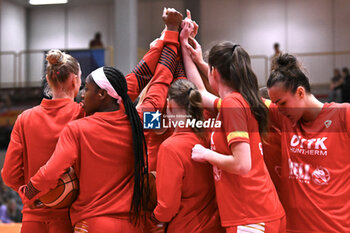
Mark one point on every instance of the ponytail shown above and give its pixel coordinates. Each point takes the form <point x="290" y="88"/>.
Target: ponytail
<point x="186" y="95"/>
<point x="234" y="66"/>
<point x="117" y="80"/>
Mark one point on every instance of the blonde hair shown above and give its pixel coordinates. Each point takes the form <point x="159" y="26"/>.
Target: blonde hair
<point x="59" y="66"/>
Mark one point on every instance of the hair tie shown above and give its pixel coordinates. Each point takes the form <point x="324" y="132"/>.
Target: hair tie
<point x="189" y="91"/>
<point x="57" y="72"/>
<point x="234" y="47"/>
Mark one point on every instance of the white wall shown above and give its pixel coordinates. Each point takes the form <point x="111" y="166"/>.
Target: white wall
<point x="299" y="26"/>
<point x="69" y="27"/>
<point x="342" y="31"/>
<point x="66" y="27"/>
<point x="96" y="18"/>
<point x="13" y="37"/>
<point x="150" y="23"/>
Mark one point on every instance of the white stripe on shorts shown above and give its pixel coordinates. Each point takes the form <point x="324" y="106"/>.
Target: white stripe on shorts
<point x="251" y="228"/>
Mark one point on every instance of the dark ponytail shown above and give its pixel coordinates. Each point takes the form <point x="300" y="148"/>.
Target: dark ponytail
<point x="186" y="95"/>
<point x="233" y="64"/>
<point x="117" y="80"/>
<point x="286" y="69"/>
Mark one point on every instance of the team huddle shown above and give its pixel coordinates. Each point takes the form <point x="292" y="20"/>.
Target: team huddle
<point x="270" y="165"/>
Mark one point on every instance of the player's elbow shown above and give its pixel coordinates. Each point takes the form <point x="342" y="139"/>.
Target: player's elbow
<point x="245" y="169"/>
<point x="4" y="176"/>
<point x="8" y="180"/>
<point x="241" y="169"/>
<point x="164" y="213"/>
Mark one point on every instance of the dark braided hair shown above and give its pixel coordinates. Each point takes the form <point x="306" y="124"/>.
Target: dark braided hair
<point x="234" y="66"/>
<point x="117" y="80"/>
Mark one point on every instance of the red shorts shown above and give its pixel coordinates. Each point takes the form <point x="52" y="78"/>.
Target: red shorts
<point x="106" y="225"/>
<point x="277" y="226"/>
<point x="49" y="226"/>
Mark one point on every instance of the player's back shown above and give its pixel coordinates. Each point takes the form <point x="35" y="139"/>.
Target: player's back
<point x="41" y="127"/>
<point x="105" y="167"/>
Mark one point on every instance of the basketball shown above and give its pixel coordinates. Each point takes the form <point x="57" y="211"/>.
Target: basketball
<point x="66" y="191"/>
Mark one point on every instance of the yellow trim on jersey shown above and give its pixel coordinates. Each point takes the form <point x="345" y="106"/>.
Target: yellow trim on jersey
<point x="267" y="103"/>
<point x="218" y="105"/>
<point x="237" y="134"/>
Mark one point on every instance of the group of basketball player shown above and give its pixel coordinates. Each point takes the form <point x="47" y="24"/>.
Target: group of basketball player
<point x="213" y="181"/>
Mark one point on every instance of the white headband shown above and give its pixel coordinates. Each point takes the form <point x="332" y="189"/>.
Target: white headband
<point x="101" y="80"/>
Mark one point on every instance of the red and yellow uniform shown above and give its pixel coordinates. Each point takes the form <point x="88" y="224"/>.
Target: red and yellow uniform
<point x="315" y="170"/>
<point x="33" y="141"/>
<point x="185" y="188"/>
<point x="272" y="152"/>
<point x="100" y="149"/>
<point x="272" y="156"/>
<point x="243" y="199"/>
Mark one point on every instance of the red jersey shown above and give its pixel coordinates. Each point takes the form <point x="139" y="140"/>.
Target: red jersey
<point x="155" y="98"/>
<point x="33" y="141"/>
<point x="143" y="73"/>
<point x="316" y="170"/>
<point x="102" y="143"/>
<point x="153" y="143"/>
<point x="100" y="148"/>
<point x="185" y="188"/>
<point x="272" y="155"/>
<point x="250" y="198"/>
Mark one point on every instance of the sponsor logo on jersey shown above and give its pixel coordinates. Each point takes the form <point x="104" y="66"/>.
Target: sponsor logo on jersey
<point x="151" y="120"/>
<point x="299" y="171"/>
<point x="304" y="173"/>
<point x="312" y="146"/>
<point x="321" y="176"/>
<point x="327" y="123"/>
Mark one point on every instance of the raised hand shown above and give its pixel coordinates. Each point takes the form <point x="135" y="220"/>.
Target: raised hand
<point x="187" y="30"/>
<point x="195" y="50"/>
<point x="195" y="25"/>
<point x="172" y="19"/>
